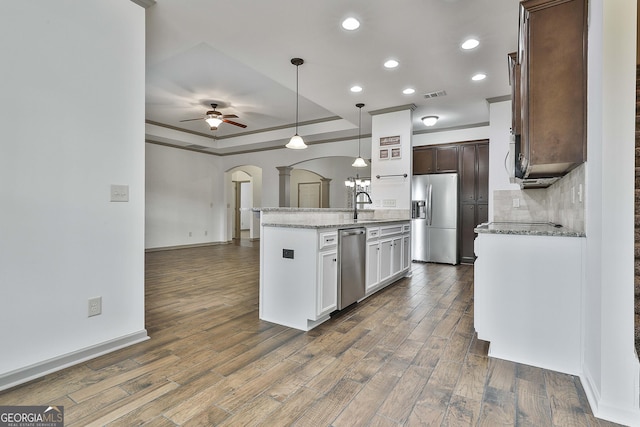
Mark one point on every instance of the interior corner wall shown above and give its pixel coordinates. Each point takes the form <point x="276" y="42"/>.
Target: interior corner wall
<point x="611" y="372"/>
<point x="499" y="139"/>
<point x="63" y="240"/>
<point x="391" y="191"/>
<point x="185" y="201"/>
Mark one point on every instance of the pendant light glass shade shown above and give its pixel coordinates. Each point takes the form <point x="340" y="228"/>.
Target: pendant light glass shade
<point x="296" y="142"/>
<point x="359" y="162"/>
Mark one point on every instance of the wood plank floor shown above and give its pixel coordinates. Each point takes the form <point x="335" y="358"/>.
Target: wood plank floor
<point x="405" y="356"/>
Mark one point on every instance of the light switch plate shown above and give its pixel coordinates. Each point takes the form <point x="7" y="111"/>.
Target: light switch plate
<point x="119" y="193"/>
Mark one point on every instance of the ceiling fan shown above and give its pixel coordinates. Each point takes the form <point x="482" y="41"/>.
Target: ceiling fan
<point x="215" y="118"/>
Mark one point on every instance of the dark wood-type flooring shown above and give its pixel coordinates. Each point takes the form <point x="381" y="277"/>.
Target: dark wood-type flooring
<point x="405" y="356"/>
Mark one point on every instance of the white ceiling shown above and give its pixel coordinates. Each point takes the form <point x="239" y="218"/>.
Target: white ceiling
<point x="237" y="54"/>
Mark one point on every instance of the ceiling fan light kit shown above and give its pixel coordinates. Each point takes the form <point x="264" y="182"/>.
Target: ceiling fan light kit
<point x="359" y="162"/>
<point x="216" y="118"/>
<point x="296" y="142"/>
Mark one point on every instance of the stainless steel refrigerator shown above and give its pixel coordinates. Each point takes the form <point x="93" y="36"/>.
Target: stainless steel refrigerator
<point x="434" y="218"/>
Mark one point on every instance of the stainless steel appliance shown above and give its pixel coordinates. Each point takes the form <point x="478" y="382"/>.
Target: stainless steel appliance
<point x="351" y="266"/>
<point x="434" y="218"/>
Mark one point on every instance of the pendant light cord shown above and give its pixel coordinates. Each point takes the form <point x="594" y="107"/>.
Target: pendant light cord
<point x="297" y="96"/>
<point x="359" y="128"/>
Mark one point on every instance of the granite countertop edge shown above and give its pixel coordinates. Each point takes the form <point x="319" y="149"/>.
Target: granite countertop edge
<point x="527" y="229"/>
<point x="342" y="224"/>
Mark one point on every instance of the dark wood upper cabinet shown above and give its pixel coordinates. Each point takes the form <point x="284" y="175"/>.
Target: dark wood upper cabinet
<point x="467" y="173"/>
<point x="552" y="56"/>
<point x="446" y="159"/>
<point x="435" y="160"/>
<point x="423" y="161"/>
<point x="483" y="174"/>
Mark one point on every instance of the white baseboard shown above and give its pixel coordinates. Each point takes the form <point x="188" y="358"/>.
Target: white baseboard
<point x="625" y="416"/>
<point x="37" y="370"/>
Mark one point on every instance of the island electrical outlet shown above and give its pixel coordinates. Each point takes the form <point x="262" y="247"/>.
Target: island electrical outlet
<point x="95" y="306"/>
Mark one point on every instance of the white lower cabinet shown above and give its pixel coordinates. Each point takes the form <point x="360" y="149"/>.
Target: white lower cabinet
<point x="388" y="255"/>
<point x="327" y="297"/>
<point x="299" y="271"/>
<point x="406" y="251"/>
<point x="373" y="265"/>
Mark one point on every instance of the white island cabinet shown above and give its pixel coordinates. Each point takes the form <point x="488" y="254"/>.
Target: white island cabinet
<point x="299" y="266"/>
<point x="527" y="294"/>
<point x="299" y="276"/>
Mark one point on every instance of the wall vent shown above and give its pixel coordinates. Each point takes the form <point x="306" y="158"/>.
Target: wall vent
<point x="435" y="94"/>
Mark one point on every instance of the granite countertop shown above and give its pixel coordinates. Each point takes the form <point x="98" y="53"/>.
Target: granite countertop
<point x="528" y="229"/>
<point x="322" y="223"/>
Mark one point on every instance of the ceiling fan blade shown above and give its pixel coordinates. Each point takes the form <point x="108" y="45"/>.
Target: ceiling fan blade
<point x="190" y="120"/>
<point x="229" y="116"/>
<point x="234" y="123"/>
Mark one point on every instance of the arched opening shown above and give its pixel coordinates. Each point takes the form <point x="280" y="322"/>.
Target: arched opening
<point x="243" y="193"/>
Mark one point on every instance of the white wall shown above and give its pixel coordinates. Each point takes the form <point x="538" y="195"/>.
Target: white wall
<point x="185" y="198"/>
<point x="454" y="135"/>
<point x="611" y="371"/>
<point x="391" y="192"/>
<point x="71" y="124"/>
<point x="499" y="138"/>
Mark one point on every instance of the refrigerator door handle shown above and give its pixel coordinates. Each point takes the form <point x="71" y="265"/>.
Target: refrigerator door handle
<point x="430" y="204"/>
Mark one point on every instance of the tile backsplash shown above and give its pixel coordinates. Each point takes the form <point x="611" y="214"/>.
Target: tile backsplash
<point x="561" y="203"/>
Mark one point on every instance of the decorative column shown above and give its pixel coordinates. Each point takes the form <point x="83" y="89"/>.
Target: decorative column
<point x="284" y="187"/>
<point x="325" y="192"/>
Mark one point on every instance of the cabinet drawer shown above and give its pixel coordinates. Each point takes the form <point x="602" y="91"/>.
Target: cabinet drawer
<point x="373" y="233"/>
<point x="392" y="229"/>
<point x="328" y="239"/>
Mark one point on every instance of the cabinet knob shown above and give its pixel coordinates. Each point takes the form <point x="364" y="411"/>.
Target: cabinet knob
<point x="335" y="259"/>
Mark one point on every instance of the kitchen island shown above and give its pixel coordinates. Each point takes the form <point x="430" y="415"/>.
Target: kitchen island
<point x="527" y="293"/>
<point x="299" y="253"/>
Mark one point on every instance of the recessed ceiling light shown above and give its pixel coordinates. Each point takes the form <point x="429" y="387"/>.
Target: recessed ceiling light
<point x="429" y="120"/>
<point x="409" y="91"/>
<point x="356" y="88"/>
<point x="470" y="44"/>
<point x="391" y="63"/>
<point x="350" y="24"/>
<point x="478" y="77"/>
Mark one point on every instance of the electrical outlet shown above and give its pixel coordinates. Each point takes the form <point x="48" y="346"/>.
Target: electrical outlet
<point x="119" y="193"/>
<point x="516" y="203"/>
<point x="95" y="306"/>
<point x="389" y="203"/>
<point x="190" y="234"/>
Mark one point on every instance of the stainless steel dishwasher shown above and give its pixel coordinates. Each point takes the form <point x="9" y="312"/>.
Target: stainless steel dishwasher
<point x="351" y="266"/>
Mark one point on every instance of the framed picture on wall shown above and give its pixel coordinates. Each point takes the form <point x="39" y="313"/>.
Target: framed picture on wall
<point x="386" y="141"/>
<point x="384" y="153"/>
<point x="396" y="153"/>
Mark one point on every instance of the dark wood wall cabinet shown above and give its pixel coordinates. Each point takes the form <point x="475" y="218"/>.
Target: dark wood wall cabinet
<point x="551" y="69"/>
<point x="440" y="159"/>
<point x="471" y="161"/>
<point x="474" y="195"/>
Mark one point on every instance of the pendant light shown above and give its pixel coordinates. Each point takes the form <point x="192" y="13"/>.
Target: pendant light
<point x="296" y="142"/>
<point x="359" y="162"/>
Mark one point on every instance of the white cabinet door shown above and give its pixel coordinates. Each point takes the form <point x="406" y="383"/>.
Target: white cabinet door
<point x="396" y="255"/>
<point x="406" y="251"/>
<point x="373" y="265"/>
<point x="327" y="297"/>
<point x="386" y="253"/>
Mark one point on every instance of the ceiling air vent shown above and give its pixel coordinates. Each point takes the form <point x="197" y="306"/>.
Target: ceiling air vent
<point x="435" y="94"/>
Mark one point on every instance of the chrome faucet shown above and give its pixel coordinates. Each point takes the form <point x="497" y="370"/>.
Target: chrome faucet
<point x="355" y="202"/>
